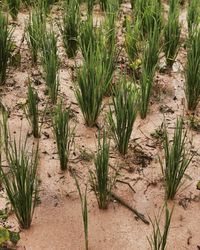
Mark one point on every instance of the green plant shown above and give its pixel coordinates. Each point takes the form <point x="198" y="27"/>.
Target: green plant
<point x="193" y="15"/>
<point x="21" y="182"/>
<point x="90" y="5"/>
<point x="132" y="39"/>
<point x="28" y="2"/>
<point x="177" y="159"/>
<point x="45" y="5"/>
<point x="101" y="183"/>
<point x="51" y="64"/>
<point x="151" y="51"/>
<point x="146" y="82"/>
<point x="13" y="6"/>
<point x="90" y="86"/>
<point x="192" y="85"/>
<point x="172" y="33"/>
<point x="148" y="13"/>
<point x="107" y="43"/>
<point x="149" y="64"/>
<point x="32" y="111"/>
<point x="123" y="115"/>
<point x="103" y="4"/>
<point x="70" y="27"/>
<point x="6" y="236"/>
<point x="63" y="133"/>
<point x="34" y="31"/>
<point x="5" y="48"/>
<point x="89" y="36"/>
<point x="4" y="132"/>
<point x="84" y="209"/>
<point x="158" y="239"/>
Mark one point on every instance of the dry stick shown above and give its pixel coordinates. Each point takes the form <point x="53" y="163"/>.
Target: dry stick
<point x="139" y="215"/>
<point x="124" y="182"/>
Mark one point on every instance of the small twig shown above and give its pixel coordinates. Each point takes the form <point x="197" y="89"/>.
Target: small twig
<point x="139" y="215"/>
<point x="124" y="182"/>
<point x="145" y="134"/>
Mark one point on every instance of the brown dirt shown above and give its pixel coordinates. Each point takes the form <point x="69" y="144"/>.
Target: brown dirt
<point x="57" y="222"/>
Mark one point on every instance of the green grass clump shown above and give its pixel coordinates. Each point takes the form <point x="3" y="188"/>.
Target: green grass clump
<point x="21" y="181"/>
<point x="149" y="64"/>
<point x="177" y="159"/>
<point x="101" y="182"/>
<point x="123" y="115"/>
<point x="103" y="4"/>
<point x="5" y="46"/>
<point x="193" y="18"/>
<point x="158" y="239"/>
<point x="45" y="5"/>
<point x="100" y="43"/>
<point x="51" y="64"/>
<point x="192" y="88"/>
<point x="132" y="39"/>
<point x="63" y="133"/>
<point x="70" y="27"/>
<point x="90" y="6"/>
<point x="90" y="86"/>
<point x="84" y="210"/>
<point x="146" y="83"/>
<point x="32" y="111"/>
<point x="149" y="13"/>
<point x="35" y="29"/>
<point x="108" y="48"/>
<point x="13" y="6"/>
<point x="172" y="31"/>
<point x="89" y="35"/>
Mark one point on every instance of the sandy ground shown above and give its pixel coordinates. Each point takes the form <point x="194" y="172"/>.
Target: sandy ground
<point x="57" y="222"/>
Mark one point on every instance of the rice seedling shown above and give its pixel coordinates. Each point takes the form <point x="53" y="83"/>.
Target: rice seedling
<point x="45" y="5"/>
<point x="146" y="83"/>
<point x="34" y="30"/>
<point x="177" y="159"/>
<point x="70" y="27"/>
<point x="192" y="88"/>
<point x="90" y="5"/>
<point x="109" y="26"/>
<point x="5" y="48"/>
<point x="27" y="2"/>
<point x="101" y="183"/>
<point x="149" y="64"/>
<point x="32" y="112"/>
<point x="151" y="51"/>
<point x="121" y="119"/>
<point x="193" y="18"/>
<point x="21" y="181"/>
<point x="90" y="87"/>
<point x="149" y="13"/>
<point x="132" y="42"/>
<point x="84" y="209"/>
<point x="103" y="4"/>
<point x="4" y="132"/>
<point x="108" y="49"/>
<point x="51" y="64"/>
<point x="172" y="31"/>
<point x="63" y="133"/>
<point x="89" y="36"/>
<point x="13" y="6"/>
<point x="113" y="6"/>
<point x="158" y="239"/>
